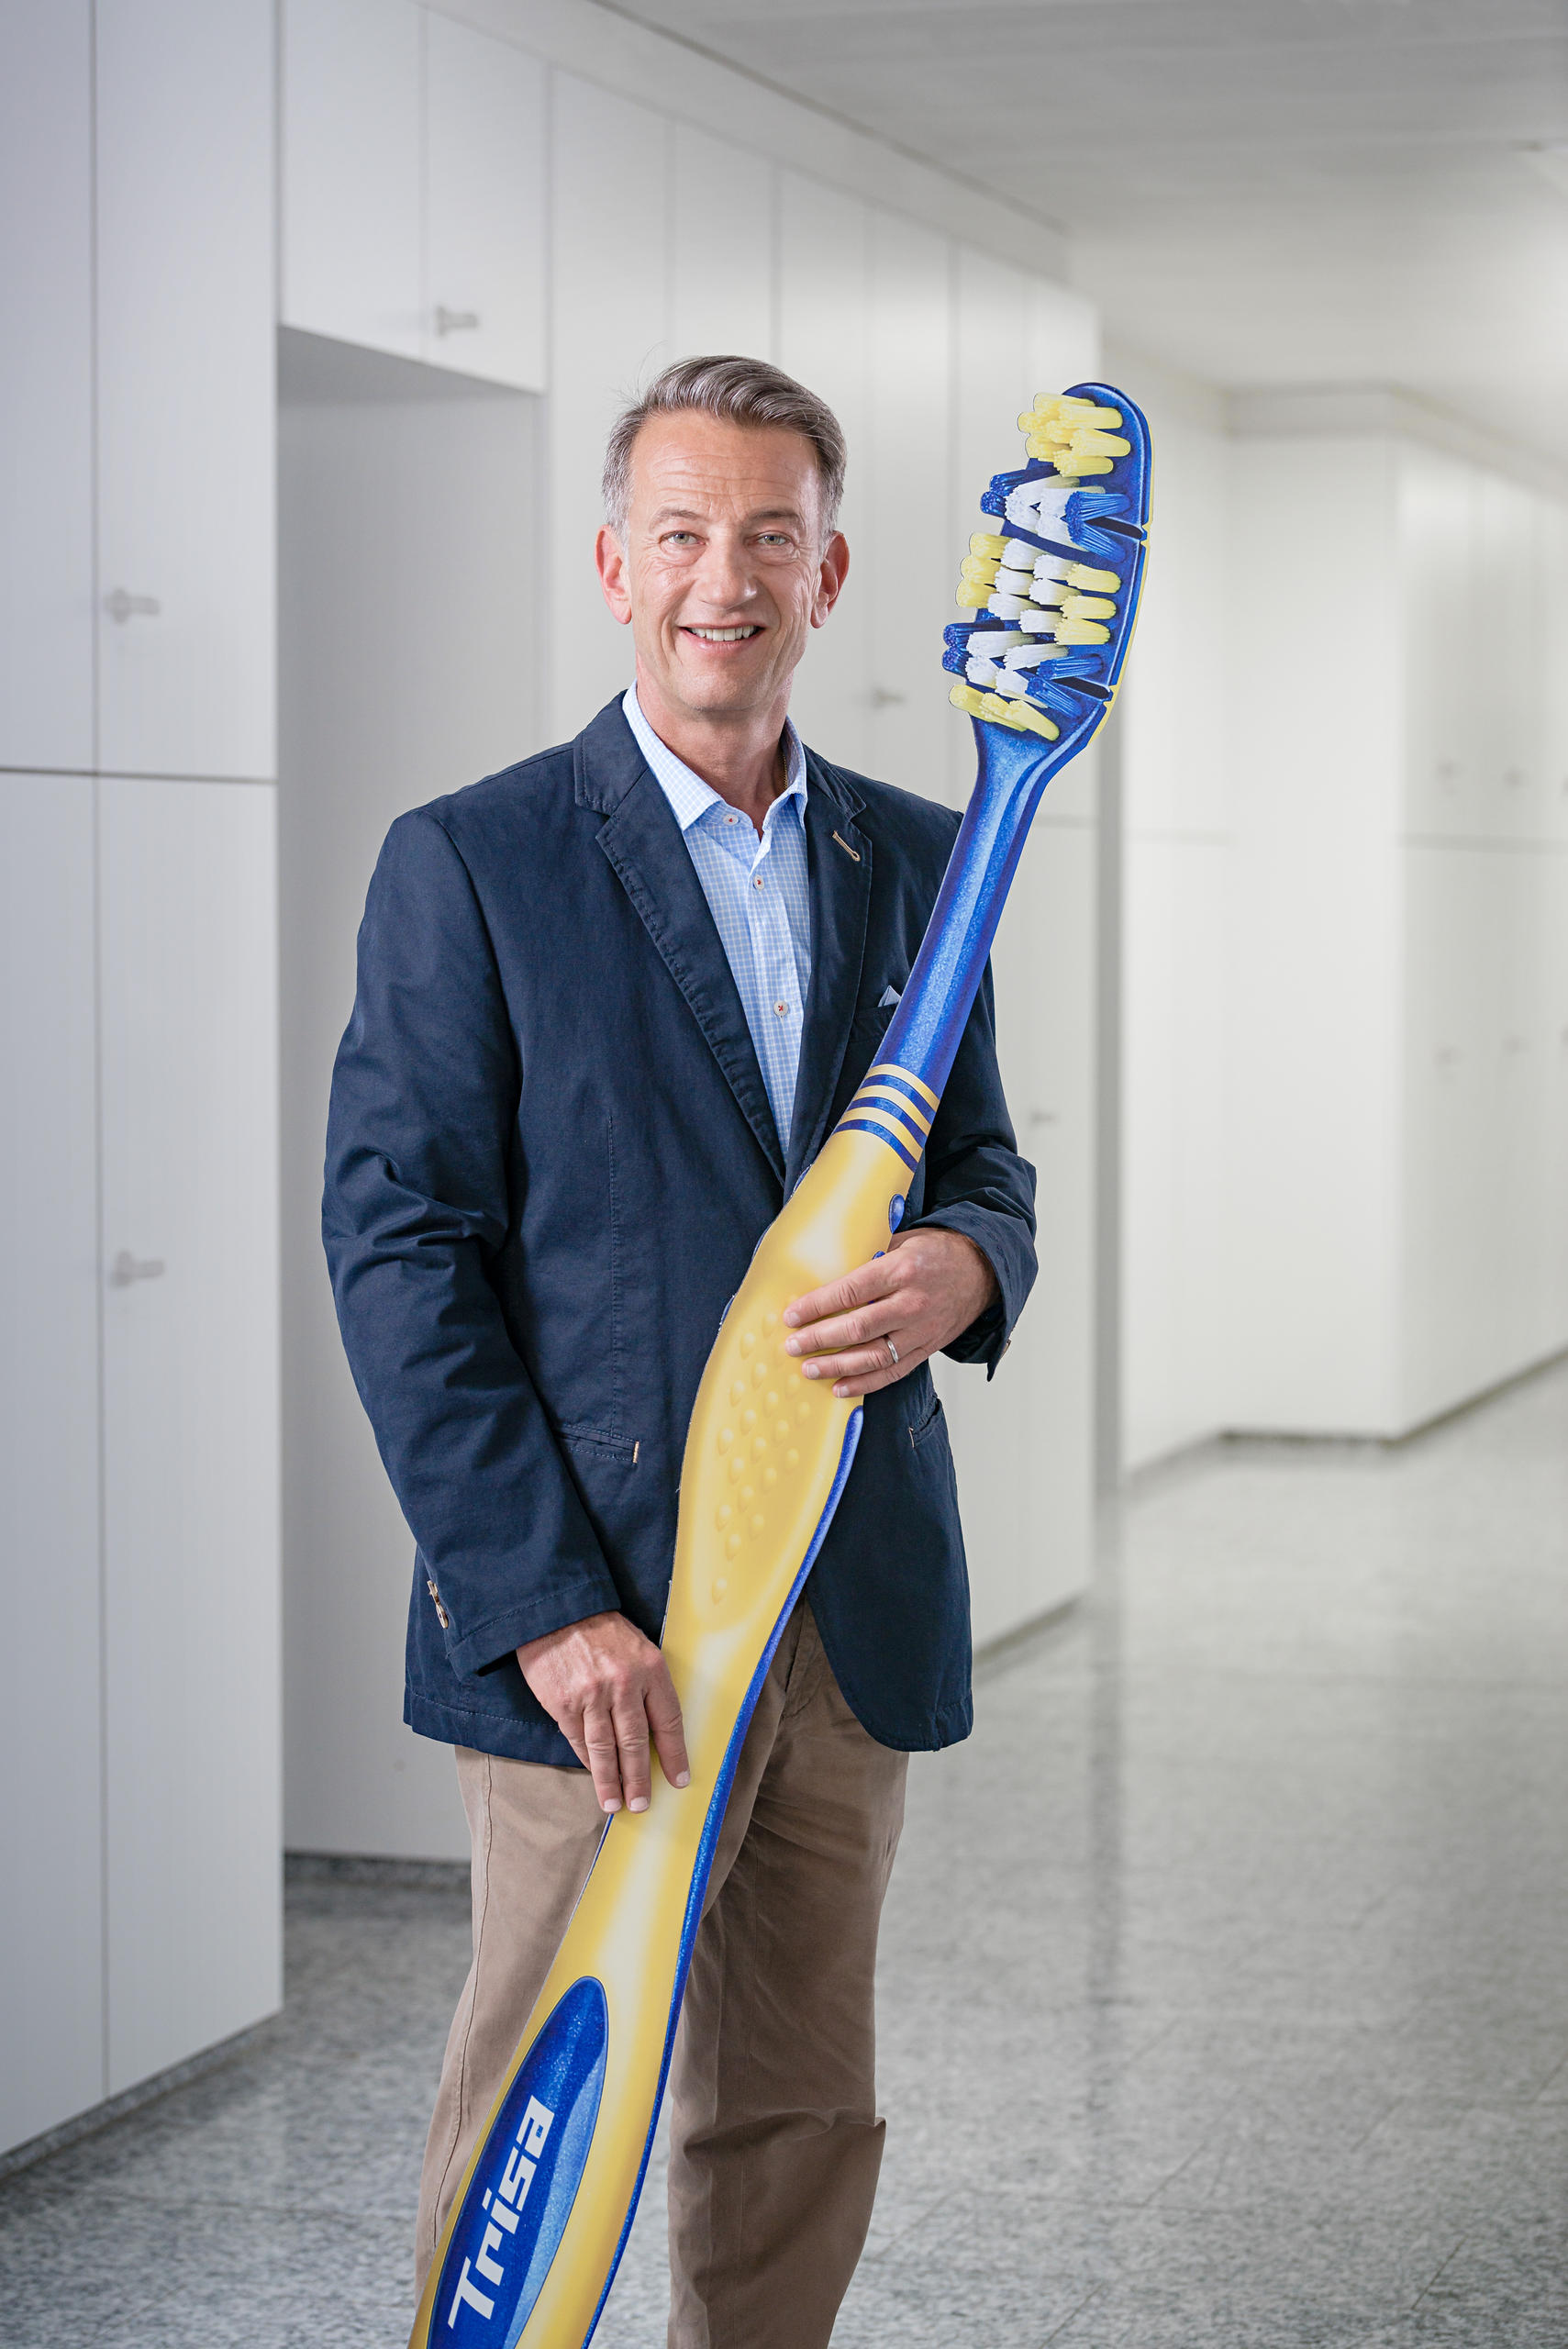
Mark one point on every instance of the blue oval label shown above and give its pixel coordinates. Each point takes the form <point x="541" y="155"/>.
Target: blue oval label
<point x="525" y="2181"/>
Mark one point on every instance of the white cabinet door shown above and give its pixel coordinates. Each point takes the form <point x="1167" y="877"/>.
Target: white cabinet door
<point x="824" y="293"/>
<point x="608" y="335"/>
<point x="1438" y="536"/>
<point x="51" y="2030"/>
<point x="1507" y="679"/>
<point x="721" y="247"/>
<point x="1023" y="1443"/>
<point x="486" y="207"/>
<point x="993" y="382"/>
<point x="350" y="171"/>
<point x="45" y="388"/>
<point x="190" y="1217"/>
<point x="186" y="670"/>
<point x="914" y="558"/>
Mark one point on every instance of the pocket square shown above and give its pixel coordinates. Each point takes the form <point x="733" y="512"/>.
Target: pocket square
<point x="888" y="996"/>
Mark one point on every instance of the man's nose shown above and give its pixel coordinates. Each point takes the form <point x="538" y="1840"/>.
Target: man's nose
<point x="725" y="574"/>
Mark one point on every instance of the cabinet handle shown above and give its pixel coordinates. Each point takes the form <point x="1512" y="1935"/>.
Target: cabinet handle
<point x="1042" y="1118"/>
<point x="120" y="603"/>
<point x="884" y="697"/>
<point x="455" y="322"/>
<point x="127" y="1269"/>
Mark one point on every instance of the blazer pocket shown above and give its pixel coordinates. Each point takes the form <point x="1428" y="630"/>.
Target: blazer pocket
<point x="922" y="1429"/>
<point x="600" y="1443"/>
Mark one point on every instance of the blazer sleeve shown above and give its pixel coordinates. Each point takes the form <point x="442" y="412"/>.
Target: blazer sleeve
<point x="977" y="1183"/>
<point x="415" y="1212"/>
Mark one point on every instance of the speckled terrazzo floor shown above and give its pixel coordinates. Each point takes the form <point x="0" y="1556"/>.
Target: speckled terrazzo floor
<point x="1225" y="1999"/>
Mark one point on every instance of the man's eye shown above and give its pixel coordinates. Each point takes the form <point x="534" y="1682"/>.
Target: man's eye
<point x="773" y="539"/>
<point x="680" y="537"/>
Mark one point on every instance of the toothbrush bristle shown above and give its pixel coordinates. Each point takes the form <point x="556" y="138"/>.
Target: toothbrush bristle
<point x="1028" y="660"/>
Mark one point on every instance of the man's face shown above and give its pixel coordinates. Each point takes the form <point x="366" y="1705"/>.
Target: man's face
<point x="724" y="571"/>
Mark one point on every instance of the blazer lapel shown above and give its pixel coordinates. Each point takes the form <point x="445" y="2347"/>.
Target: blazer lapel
<point x="839" y="855"/>
<point x="643" y="844"/>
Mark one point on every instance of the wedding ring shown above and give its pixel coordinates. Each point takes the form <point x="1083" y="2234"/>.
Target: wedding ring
<point x="891" y="1352"/>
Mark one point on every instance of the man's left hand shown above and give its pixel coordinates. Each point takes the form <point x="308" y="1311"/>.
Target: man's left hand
<point x="877" y="1323"/>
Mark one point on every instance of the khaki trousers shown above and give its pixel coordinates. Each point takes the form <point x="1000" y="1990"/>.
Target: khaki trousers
<point x="774" y="2142"/>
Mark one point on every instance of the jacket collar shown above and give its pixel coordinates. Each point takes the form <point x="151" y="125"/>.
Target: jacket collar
<point x="840" y="861"/>
<point x="643" y="844"/>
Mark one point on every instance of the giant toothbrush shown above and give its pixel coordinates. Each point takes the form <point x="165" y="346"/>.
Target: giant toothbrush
<point x="544" y="2208"/>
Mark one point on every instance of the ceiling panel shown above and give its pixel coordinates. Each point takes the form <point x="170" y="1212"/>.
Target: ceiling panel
<point x="1266" y="191"/>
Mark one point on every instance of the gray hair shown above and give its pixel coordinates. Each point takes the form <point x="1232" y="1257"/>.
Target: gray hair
<point x="738" y="391"/>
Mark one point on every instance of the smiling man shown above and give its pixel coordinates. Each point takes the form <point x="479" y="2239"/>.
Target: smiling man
<point x="609" y="1003"/>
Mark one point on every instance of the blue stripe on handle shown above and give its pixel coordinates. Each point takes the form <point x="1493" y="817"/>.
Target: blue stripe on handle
<point x="886" y="1105"/>
<point x="883" y="1084"/>
<point x="864" y="1126"/>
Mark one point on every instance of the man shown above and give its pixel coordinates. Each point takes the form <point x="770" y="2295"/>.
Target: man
<point x="609" y="1003"/>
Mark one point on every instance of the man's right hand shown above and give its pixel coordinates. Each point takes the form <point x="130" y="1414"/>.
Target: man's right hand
<point x="609" y="1693"/>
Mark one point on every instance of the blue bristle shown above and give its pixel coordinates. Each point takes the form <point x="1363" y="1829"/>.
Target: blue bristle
<point x="957" y="637"/>
<point x="1059" y="686"/>
<point x="1083" y="516"/>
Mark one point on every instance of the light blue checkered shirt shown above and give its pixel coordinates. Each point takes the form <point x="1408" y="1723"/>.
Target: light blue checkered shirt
<point x="759" y="892"/>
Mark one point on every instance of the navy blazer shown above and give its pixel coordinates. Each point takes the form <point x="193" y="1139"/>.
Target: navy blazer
<point x="548" y="1159"/>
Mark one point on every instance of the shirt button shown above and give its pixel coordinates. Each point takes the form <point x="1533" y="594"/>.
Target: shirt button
<point x="758" y="881"/>
<point x="781" y="1008"/>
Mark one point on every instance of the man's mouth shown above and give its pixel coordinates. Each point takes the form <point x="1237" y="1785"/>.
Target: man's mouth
<point x="722" y="635"/>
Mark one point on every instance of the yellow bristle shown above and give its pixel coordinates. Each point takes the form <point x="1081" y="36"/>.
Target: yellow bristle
<point x="1072" y="461"/>
<point x="1106" y="420"/>
<point x="987" y="543"/>
<point x="976" y="566"/>
<point x="968" y="601"/>
<point x="1102" y="583"/>
<point x="1021" y="715"/>
<point x="1081" y="632"/>
<point x="1088" y="608"/>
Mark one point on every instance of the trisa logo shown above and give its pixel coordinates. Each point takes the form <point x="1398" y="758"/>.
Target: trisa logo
<point x="502" y="2206"/>
<point x="498" y="2252"/>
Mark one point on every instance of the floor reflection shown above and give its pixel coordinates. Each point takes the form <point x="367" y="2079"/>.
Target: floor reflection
<point x="1225" y="1986"/>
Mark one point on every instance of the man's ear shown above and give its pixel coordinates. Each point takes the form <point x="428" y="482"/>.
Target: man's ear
<point x="830" y="577"/>
<point x="613" y="581"/>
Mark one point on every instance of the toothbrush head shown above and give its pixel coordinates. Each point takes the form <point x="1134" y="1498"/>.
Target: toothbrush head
<point x="1055" y="587"/>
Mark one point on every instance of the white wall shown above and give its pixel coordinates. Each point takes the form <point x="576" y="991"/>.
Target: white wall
<point x="1344" y="953"/>
<point x="665" y="237"/>
<point x="1174" y="714"/>
<point x="410" y="667"/>
<point x="138" y="1535"/>
<point x="1398" y="1133"/>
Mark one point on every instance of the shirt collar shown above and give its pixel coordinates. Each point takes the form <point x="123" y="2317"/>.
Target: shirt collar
<point x="689" y="796"/>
